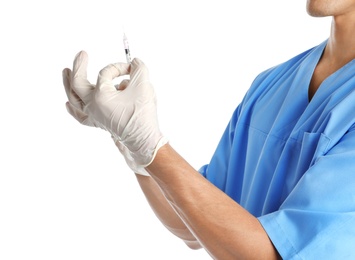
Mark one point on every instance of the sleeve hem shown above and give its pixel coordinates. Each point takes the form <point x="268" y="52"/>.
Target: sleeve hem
<point x="278" y="237"/>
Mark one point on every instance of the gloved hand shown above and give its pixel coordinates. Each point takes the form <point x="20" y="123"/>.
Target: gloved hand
<point x="128" y="111"/>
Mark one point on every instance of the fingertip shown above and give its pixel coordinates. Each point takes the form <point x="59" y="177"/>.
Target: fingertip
<point x="80" y="63"/>
<point x="137" y="61"/>
<point x="67" y="106"/>
<point x="66" y="79"/>
<point x="138" y="65"/>
<point x="81" y="54"/>
<point x="81" y="57"/>
<point x="123" y="85"/>
<point x="123" y="68"/>
<point x="66" y="72"/>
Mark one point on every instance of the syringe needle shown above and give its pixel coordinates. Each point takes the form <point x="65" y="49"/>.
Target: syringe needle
<point x="126" y="48"/>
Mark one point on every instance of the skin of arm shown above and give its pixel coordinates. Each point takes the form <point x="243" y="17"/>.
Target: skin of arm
<point x="164" y="212"/>
<point x="219" y="224"/>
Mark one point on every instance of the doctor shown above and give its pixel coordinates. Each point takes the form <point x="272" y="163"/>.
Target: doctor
<point x="281" y="181"/>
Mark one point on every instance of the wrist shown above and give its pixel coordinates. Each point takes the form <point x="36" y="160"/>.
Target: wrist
<point x="131" y="158"/>
<point x="143" y="149"/>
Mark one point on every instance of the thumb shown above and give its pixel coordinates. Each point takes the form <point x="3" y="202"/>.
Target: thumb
<point x="80" y="84"/>
<point x="139" y="72"/>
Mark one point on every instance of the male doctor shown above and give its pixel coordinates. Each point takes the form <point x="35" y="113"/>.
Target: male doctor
<point x="281" y="183"/>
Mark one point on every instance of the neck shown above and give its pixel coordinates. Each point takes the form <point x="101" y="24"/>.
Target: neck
<point x="341" y="43"/>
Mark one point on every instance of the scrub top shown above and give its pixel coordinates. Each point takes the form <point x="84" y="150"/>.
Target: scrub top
<point x="291" y="162"/>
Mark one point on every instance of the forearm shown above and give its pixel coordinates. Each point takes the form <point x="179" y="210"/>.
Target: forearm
<point x="164" y="211"/>
<point x="223" y="227"/>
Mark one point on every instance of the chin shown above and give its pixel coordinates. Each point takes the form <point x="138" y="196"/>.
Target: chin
<point x="317" y="13"/>
<point x="318" y="9"/>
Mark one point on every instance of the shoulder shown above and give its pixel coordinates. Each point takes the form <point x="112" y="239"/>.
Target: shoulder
<point x="283" y="67"/>
<point x="264" y="79"/>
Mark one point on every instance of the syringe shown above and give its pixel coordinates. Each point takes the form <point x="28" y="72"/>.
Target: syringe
<point x="126" y="48"/>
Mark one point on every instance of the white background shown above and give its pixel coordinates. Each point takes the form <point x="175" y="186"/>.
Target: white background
<point x="65" y="191"/>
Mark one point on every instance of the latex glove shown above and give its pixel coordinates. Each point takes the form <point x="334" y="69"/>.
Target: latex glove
<point x="128" y="112"/>
<point x="129" y="159"/>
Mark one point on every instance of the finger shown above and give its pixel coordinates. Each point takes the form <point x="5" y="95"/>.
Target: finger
<point x="80" y="64"/>
<point x="66" y="81"/>
<point x="107" y="74"/>
<point x="73" y="98"/>
<point x="79" y="115"/>
<point x="80" y="84"/>
<point x="138" y="72"/>
<point x="122" y="86"/>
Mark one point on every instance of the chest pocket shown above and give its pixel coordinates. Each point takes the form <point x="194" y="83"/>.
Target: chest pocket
<point x="312" y="147"/>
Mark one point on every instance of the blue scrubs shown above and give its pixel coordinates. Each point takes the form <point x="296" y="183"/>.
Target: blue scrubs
<point x="291" y="162"/>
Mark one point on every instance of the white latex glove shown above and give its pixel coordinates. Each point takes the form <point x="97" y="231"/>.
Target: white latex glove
<point x="129" y="159"/>
<point x="128" y="112"/>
